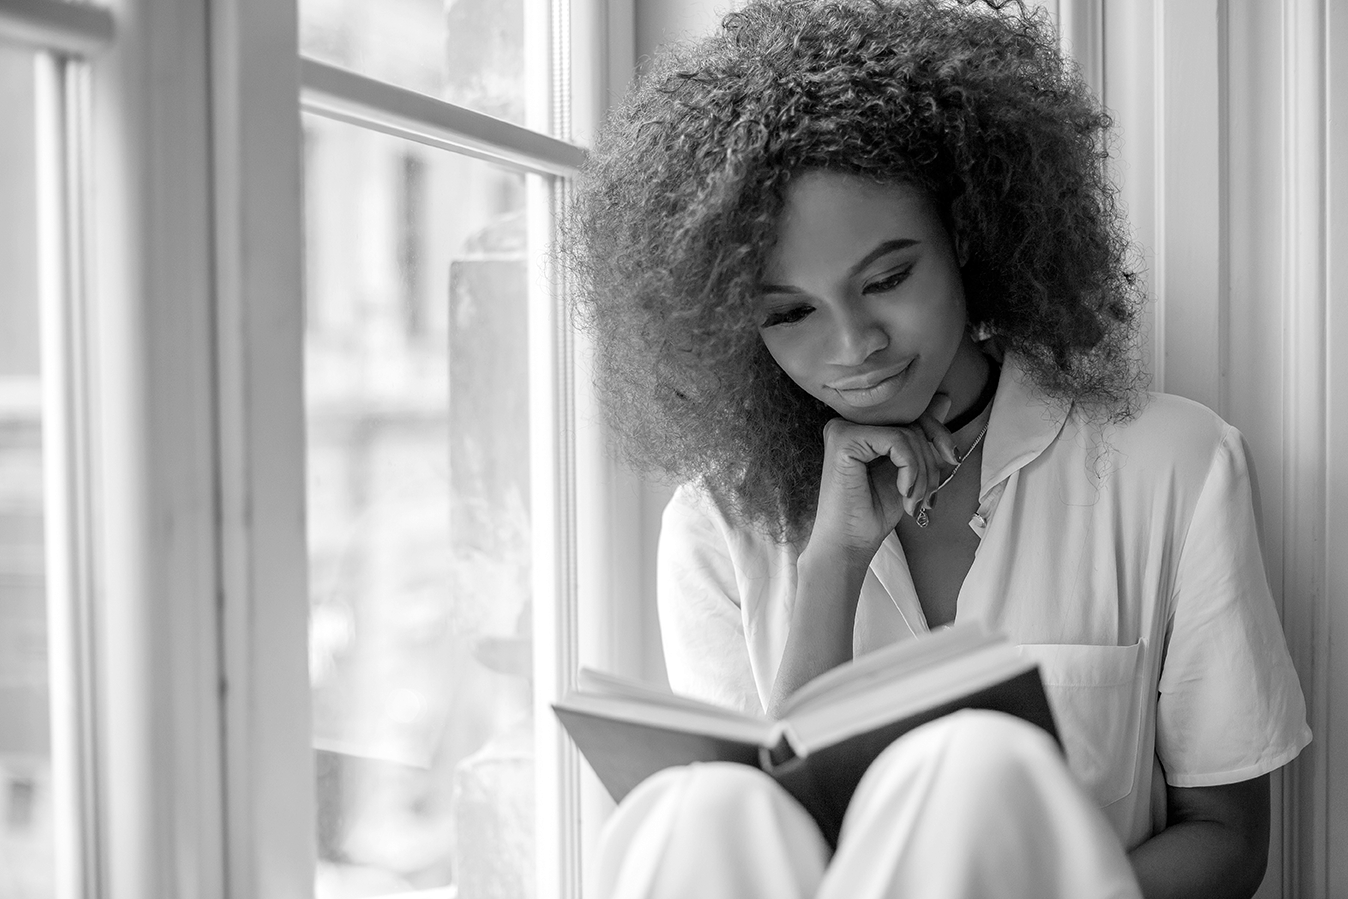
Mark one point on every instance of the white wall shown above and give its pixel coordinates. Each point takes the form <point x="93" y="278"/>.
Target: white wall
<point x="660" y="21"/>
<point x="1231" y="113"/>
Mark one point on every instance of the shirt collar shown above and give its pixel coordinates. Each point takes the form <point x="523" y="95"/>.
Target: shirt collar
<point x="1023" y="423"/>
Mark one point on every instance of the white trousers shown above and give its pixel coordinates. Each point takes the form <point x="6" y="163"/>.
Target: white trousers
<point x="973" y="805"/>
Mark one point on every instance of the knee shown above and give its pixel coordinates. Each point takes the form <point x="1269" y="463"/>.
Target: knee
<point x="976" y="746"/>
<point x="996" y="737"/>
<point x="730" y="825"/>
<point x="721" y="797"/>
<point x="721" y="794"/>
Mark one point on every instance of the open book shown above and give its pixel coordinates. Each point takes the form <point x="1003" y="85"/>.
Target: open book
<point x="830" y="730"/>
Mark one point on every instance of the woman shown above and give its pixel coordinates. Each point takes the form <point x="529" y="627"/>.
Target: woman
<point x="857" y="279"/>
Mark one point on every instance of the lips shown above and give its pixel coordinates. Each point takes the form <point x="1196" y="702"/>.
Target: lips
<point x="872" y="388"/>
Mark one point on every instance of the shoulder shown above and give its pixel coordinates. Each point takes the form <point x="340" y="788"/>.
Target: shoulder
<point x="1171" y="437"/>
<point x="696" y="515"/>
<point x="698" y="526"/>
<point x="693" y="507"/>
<point x="1174" y="426"/>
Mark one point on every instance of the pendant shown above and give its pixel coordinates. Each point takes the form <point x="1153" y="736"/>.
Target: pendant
<point x="921" y="518"/>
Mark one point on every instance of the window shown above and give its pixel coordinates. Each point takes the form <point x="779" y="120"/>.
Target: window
<point x="238" y="705"/>
<point x="27" y="833"/>
<point x="417" y="394"/>
<point x="46" y="799"/>
<point x="437" y="414"/>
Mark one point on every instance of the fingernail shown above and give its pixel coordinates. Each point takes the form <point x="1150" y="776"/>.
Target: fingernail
<point x="949" y="452"/>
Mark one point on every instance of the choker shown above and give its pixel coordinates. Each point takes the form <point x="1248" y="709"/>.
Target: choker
<point x="980" y="404"/>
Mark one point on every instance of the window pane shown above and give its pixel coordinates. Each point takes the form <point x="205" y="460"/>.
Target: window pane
<point x="26" y="832"/>
<point x="467" y="52"/>
<point x="418" y="517"/>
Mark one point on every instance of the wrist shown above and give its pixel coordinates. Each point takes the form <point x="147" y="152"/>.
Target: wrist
<point x="837" y="556"/>
<point x="834" y="570"/>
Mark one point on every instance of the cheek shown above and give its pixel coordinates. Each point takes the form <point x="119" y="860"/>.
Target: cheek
<point x="794" y="356"/>
<point x="946" y="319"/>
<point x="783" y="350"/>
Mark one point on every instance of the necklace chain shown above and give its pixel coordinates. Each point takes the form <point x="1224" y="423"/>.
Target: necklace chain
<point x="922" y="518"/>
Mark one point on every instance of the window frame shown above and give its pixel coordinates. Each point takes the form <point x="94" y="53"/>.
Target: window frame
<point x="186" y="409"/>
<point x="356" y="99"/>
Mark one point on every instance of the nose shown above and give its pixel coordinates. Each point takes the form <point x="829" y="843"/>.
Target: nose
<point x="858" y="335"/>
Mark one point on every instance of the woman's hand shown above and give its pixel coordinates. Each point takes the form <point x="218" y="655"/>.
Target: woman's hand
<point x="873" y="475"/>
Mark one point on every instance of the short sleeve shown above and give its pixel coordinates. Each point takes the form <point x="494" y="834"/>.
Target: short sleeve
<point x="701" y="627"/>
<point x="1230" y="705"/>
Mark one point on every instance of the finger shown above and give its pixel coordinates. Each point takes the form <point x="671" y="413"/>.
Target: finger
<point x="855" y="447"/>
<point x="906" y="478"/>
<point x="911" y="498"/>
<point x="931" y="468"/>
<point x="865" y="443"/>
<point x="912" y="456"/>
<point x="939" y="407"/>
<point x="939" y="436"/>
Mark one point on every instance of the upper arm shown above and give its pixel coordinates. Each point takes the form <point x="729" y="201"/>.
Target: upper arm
<point x="1240" y="808"/>
<point x="701" y="625"/>
<point x="1215" y="844"/>
<point x="1230" y="706"/>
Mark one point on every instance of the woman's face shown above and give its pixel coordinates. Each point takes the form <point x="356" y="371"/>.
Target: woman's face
<point x="863" y="304"/>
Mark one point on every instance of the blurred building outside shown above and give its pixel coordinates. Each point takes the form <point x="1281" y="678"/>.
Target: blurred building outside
<point x="418" y="519"/>
<point x="26" y="826"/>
<point x="416" y="390"/>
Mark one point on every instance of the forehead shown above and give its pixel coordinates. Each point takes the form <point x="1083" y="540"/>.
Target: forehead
<point x="834" y="219"/>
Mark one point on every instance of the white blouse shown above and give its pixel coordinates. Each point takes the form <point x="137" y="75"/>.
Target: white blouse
<point x="1124" y="558"/>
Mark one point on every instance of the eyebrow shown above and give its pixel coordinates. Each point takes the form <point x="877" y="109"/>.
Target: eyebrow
<point x="888" y="246"/>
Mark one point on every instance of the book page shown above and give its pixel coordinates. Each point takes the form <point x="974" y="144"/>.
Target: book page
<point x="718" y="723"/>
<point x="601" y="683"/>
<point x="945" y="681"/>
<point x="891" y="663"/>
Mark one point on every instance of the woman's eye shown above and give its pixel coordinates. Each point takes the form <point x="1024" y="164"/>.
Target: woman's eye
<point x="889" y="282"/>
<point x="786" y="316"/>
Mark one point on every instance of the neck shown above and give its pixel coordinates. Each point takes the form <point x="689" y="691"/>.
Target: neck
<point x="973" y="408"/>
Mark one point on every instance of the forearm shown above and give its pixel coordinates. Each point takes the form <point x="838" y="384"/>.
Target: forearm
<point x="828" y="585"/>
<point x="1199" y="860"/>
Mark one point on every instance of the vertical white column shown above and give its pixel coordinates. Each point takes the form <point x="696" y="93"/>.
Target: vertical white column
<point x="258" y="354"/>
<point x="155" y="524"/>
<point x="66" y="466"/>
<point x="1304" y="376"/>
<point x="1081" y="26"/>
<point x="1190" y="262"/>
<point x="1334" y="728"/>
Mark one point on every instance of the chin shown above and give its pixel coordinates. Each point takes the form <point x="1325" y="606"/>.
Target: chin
<point x="886" y="415"/>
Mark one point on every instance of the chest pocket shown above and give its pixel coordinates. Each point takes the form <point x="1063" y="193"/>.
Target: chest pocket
<point x="1096" y="696"/>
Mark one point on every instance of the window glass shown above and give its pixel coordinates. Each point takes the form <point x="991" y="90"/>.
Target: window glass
<point x="417" y="406"/>
<point x="467" y="52"/>
<point x="26" y="832"/>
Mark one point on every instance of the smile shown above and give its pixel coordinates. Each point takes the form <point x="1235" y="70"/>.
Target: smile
<point x="866" y="391"/>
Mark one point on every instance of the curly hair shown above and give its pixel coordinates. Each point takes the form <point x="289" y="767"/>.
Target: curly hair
<point x="677" y="207"/>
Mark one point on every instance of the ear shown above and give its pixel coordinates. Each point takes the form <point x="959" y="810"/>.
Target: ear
<point x="961" y="250"/>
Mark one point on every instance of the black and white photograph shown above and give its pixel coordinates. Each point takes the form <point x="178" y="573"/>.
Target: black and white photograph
<point x="673" y="449"/>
